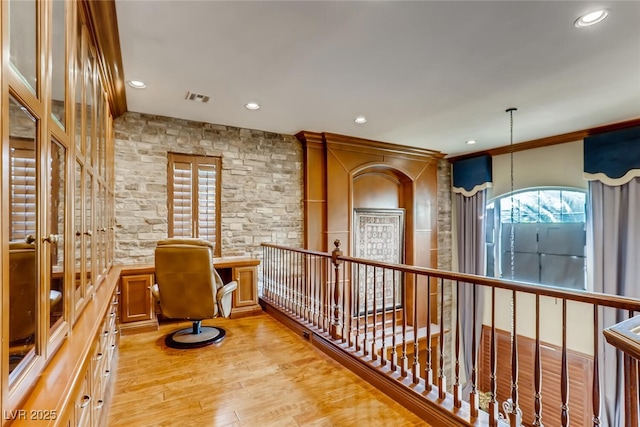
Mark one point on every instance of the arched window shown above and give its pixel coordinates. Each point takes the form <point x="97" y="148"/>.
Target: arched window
<point x="549" y="236"/>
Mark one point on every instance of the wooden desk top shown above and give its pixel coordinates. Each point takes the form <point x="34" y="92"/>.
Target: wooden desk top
<point x="224" y="262"/>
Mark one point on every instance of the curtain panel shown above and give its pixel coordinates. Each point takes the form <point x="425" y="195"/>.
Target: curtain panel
<point x="612" y="165"/>
<point x="471" y="178"/>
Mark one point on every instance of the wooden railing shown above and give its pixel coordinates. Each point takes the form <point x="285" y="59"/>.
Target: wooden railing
<point x="404" y="323"/>
<point x="625" y="336"/>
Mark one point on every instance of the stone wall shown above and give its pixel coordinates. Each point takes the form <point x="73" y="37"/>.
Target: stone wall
<point x="445" y="262"/>
<point x="261" y="198"/>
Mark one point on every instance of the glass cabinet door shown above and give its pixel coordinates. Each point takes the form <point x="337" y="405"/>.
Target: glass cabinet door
<point x="56" y="237"/>
<point x="58" y="62"/>
<point x="23" y="41"/>
<point x="23" y="246"/>
<point x="78" y="200"/>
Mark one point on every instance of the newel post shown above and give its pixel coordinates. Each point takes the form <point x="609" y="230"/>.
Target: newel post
<point x="335" y="324"/>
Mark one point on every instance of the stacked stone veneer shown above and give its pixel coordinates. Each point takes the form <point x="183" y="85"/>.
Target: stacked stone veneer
<point x="261" y="198"/>
<point x="445" y="260"/>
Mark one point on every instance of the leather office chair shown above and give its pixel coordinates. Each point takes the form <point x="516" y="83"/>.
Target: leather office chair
<point x="22" y="292"/>
<point x="188" y="287"/>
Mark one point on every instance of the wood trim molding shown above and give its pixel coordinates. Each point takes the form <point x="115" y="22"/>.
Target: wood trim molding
<point x="352" y="143"/>
<point x="102" y="23"/>
<point x="551" y="140"/>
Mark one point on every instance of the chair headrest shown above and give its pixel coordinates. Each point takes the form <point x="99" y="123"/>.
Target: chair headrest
<point x="185" y="241"/>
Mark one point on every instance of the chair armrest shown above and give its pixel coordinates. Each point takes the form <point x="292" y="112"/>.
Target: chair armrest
<point x="223" y="297"/>
<point x="226" y="289"/>
<point x="155" y="292"/>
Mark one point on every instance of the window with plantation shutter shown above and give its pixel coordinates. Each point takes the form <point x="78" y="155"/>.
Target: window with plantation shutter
<point x="194" y="197"/>
<point x="23" y="190"/>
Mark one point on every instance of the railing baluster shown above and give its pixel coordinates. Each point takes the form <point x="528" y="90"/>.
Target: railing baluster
<point x="428" y="370"/>
<point x="514" y="417"/>
<point x="365" y="347"/>
<point x="474" y="398"/>
<point x="383" y="347"/>
<point x="537" y="371"/>
<point x="374" y="314"/>
<point x="357" y="311"/>
<point x="394" y="320"/>
<point x="299" y="285"/>
<point x="308" y="289"/>
<point x="343" y="309"/>
<point x="404" y="362"/>
<point x="595" y="389"/>
<point x="493" y="403"/>
<point x="336" y="290"/>
<point x="564" y="370"/>
<point x="416" y="346"/>
<point x="442" y="379"/>
<point x="457" y="389"/>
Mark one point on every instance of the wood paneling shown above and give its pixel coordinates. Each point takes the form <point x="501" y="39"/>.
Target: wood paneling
<point x="358" y="173"/>
<point x="580" y="378"/>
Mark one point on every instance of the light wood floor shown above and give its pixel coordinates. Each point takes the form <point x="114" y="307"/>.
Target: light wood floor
<point x="262" y="374"/>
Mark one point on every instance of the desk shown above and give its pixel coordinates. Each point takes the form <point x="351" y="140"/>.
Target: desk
<point x="138" y="308"/>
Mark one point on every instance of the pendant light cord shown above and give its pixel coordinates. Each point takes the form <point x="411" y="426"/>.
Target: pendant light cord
<point x="512" y="233"/>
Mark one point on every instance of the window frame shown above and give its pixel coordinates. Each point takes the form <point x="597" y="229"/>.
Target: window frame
<point x="195" y="162"/>
<point x="494" y="230"/>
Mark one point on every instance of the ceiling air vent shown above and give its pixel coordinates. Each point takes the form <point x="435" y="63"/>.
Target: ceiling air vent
<point x="191" y="96"/>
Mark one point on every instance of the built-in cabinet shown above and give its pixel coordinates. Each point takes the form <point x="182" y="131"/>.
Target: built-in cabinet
<point x="138" y="308"/>
<point x="244" y="272"/>
<point x="60" y="94"/>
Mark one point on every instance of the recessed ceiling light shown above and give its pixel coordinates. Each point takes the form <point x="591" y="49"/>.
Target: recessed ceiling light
<point x="471" y="141"/>
<point x="360" y="120"/>
<point x="591" y="18"/>
<point x="252" y="106"/>
<point x="137" y="84"/>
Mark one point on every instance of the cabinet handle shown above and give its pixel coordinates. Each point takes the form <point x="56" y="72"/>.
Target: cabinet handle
<point x="86" y="399"/>
<point x="99" y="356"/>
<point x="107" y="373"/>
<point x="100" y="404"/>
<point x="53" y="238"/>
<point x="105" y="333"/>
<point x="112" y="314"/>
<point x="88" y="233"/>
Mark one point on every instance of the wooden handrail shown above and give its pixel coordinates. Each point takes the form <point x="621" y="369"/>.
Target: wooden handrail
<point x="601" y="299"/>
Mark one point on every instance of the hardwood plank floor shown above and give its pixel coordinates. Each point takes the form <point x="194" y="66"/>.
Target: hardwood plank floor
<point x="261" y="374"/>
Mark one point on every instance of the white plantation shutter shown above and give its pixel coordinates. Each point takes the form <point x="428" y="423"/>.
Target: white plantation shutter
<point x="194" y="202"/>
<point x="182" y="200"/>
<point x="207" y="201"/>
<point x="23" y="193"/>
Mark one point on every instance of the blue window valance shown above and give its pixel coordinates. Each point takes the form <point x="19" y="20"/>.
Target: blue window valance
<point x="613" y="157"/>
<point x="472" y="175"/>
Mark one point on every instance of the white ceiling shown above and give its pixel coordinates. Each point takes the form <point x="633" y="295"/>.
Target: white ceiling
<point x="430" y="74"/>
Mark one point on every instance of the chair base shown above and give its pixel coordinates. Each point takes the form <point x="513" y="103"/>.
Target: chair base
<point x="195" y="337"/>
